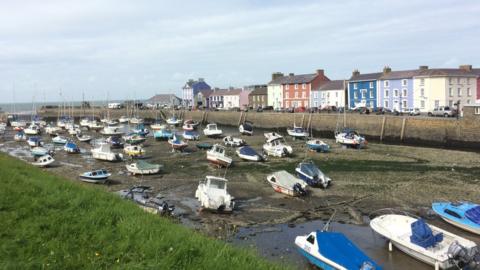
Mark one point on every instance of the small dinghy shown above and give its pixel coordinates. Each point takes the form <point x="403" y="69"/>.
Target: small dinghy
<point x="20" y="137"/>
<point x="141" y="130"/>
<point x="97" y="176"/>
<point x="35" y="141"/>
<point x="84" y="138"/>
<point x="189" y="125"/>
<point x="233" y="142"/>
<point x="424" y="242"/>
<point x="40" y="151"/>
<point x="350" y="138"/>
<point x="298" y="132"/>
<point x="246" y="128"/>
<point x="43" y="161"/>
<point x="213" y="195"/>
<point x="217" y="156"/>
<point x="284" y="182"/>
<point x="211" y="130"/>
<point x="333" y="250"/>
<point x="163" y="134"/>
<point x="318" y="145"/>
<point x="311" y="174"/>
<point x="59" y="140"/>
<point x="104" y="152"/>
<point x="174" y="121"/>
<point x="465" y="215"/>
<point x="143" y="167"/>
<point x="248" y="153"/>
<point x="134" y="151"/>
<point x="71" y="147"/>
<point x="204" y="146"/>
<point x="115" y="141"/>
<point x="191" y="135"/>
<point x="276" y="147"/>
<point x="134" y="138"/>
<point x="177" y="144"/>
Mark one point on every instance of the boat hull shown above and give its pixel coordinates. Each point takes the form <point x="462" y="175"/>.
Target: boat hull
<point x="316" y="261"/>
<point x="249" y="158"/>
<point x="422" y="257"/>
<point x="281" y="189"/>
<point x="219" y="162"/>
<point x="462" y="226"/>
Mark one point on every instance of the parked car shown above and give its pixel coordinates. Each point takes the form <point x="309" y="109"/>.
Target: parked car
<point x="259" y="109"/>
<point x="382" y="110"/>
<point x="444" y="111"/>
<point x="268" y="108"/>
<point x="300" y="109"/>
<point x="290" y="110"/>
<point x="414" y="112"/>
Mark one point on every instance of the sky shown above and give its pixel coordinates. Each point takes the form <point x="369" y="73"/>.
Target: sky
<point x="57" y="50"/>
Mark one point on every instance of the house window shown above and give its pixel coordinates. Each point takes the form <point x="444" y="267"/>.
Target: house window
<point x="395" y="92"/>
<point x="286" y="95"/>
<point x="469" y="92"/>
<point x="459" y="92"/>
<point x="364" y="93"/>
<point x="287" y="86"/>
<point x="355" y="86"/>
<point x="336" y="94"/>
<point x="296" y="94"/>
<point x="468" y="101"/>
<point x="371" y="93"/>
<point x="371" y="104"/>
<point x="296" y="86"/>
<point x="355" y="94"/>
<point x="304" y="94"/>
<point x="422" y="104"/>
<point x="304" y="86"/>
<point x="422" y="92"/>
<point x="404" y="82"/>
<point x="386" y="104"/>
<point x="404" y="104"/>
<point x="386" y="83"/>
<point x="450" y="92"/>
<point x="450" y="103"/>
<point x="422" y="81"/>
<point x="315" y="95"/>
<point x="371" y="84"/>
<point x="477" y="110"/>
<point x="386" y="92"/>
<point x="328" y="94"/>
<point x="404" y="94"/>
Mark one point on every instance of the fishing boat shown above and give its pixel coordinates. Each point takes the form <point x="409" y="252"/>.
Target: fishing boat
<point x="333" y="251"/>
<point x="174" y="121"/>
<point x="134" y="150"/>
<point x="59" y="140"/>
<point x="52" y="130"/>
<point x="350" y="138"/>
<point x="96" y="176"/>
<point x="71" y="147"/>
<point x="32" y="129"/>
<point x="141" y="130"/>
<point x="248" y="153"/>
<point x="177" y="144"/>
<point x="465" y="215"/>
<point x="115" y="141"/>
<point x="213" y="195"/>
<point x="34" y="141"/>
<point x="104" y="152"/>
<point x="312" y="175"/>
<point x="318" y="145"/>
<point x="191" y="135"/>
<point x="163" y="134"/>
<point x="134" y="138"/>
<point x="233" y="142"/>
<point x="143" y="167"/>
<point x="204" y="146"/>
<point x="20" y="136"/>
<point x="84" y="138"/>
<point x="276" y="147"/>
<point x="284" y="182"/>
<point x="217" y="156"/>
<point x="40" y="151"/>
<point x="246" y="128"/>
<point x="211" y="130"/>
<point x="297" y="132"/>
<point x="424" y="242"/>
<point x="43" y="161"/>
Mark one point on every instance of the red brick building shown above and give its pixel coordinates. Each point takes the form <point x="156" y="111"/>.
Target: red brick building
<point x="296" y="88"/>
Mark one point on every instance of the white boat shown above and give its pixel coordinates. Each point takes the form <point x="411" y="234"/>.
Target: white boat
<point x="18" y="124"/>
<point x="52" y="130"/>
<point x="20" y="137"/>
<point x="32" y="130"/>
<point x="212" y="194"/>
<point x="84" y="138"/>
<point x="112" y="130"/>
<point x="143" y="167"/>
<point x="217" y="156"/>
<point x="286" y="183"/>
<point x="298" y="132"/>
<point x="424" y="242"/>
<point x="190" y="135"/>
<point x="103" y="152"/>
<point x="40" y="151"/>
<point x="246" y="128"/>
<point x="34" y="141"/>
<point x="232" y="141"/>
<point x="269" y="135"/>
<point x="276" y="147"/>
<point x="158" y="126"/>
<point x="349" y="137"/>
<point x="59" y="140"/>
<point x="84" y="122"/>
<point x="43" y="161"/>
<point x="94" y="125"/>
<point x="74" y="130"/>
<point x="211" y="130"/>
<point x="248" y="153"/>
<point x="134" y="150"/>
<point x="135" y="120"/>
<point x="96" y="177"/>
<point x="123" y="119"/>
<point x="174" y="121"/>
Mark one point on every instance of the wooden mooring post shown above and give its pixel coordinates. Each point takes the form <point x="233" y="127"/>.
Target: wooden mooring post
<point x="402" y="132"/>
<point x="383" y="128"/>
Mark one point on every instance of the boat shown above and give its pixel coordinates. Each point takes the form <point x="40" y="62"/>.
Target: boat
<point x="141" y="130"/>
<point x="115" y="141"/>
<point x="123" y="119"/>
<point x="246" y="128"/>
<point x="34" y="141"/>
<point x="465" y="215"/>
<point x="275" y="146"/>
<point x="52" y="130"/>
<point x="269" y="135"/>
<point x="84" y="138"/>
<point x="298" y="132"/>
<point x="96" y="176"/>
<point x="158" y="125"/>
<point x="216" y="155"/>
<point x="212" y="194"/>
<point x="284" y="182"/>
<point x="188" y="127"/>
<point x="134" y="150"/>
<point x="248" y="153"/>
<point x="112" y="131"/>
<point x="318" y="145"/>
<point x="312" y="175"/>
<point x="190" y="135"/>
<point x="143" y="196"/>
<point x="177" y="144"/>
<point x="94" y="125"/>
<point x="135" y="120"/>
<point x="104" y="152"/>
<point x="424" y="242"/>
<point x="190" y="124"/>
<point x="174" y="121"/>
<point x="333" y="250"/>
<point x="349" y="137"/>
<point x="71" y="147"/>
<point x="134" y="138"/>
<point x="163" y="134"/>
<point x="40" y="151"/>
<point x="32" y="129"/>
<point x="20" y="136"/>
<point x="211" y="130"/>
<point x="204" y="146"/>
<point x="85" y="122"/>
<point x="43" y="161"/>
<point x="74" y="130"/>
<point x="143" y="167"/>
<point x="18" y="124"/>
<point x="59" y="140"/>
<point x="233" y="142"/>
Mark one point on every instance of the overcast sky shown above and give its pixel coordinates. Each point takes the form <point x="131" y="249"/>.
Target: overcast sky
<point x="138" y="48"/>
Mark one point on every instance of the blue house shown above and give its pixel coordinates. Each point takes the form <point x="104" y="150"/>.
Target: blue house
<point x="191" y="89"/>
<point x="362" y="90"/>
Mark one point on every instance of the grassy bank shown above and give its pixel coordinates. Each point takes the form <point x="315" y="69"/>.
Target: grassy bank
<point x="49" y="222"/>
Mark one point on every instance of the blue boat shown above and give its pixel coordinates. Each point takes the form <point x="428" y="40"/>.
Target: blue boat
<point x="312" y="175"/>
<point x="35" y="141"/>
<point x="141" y="130"/>
<point x="248" y="153"/>
<point x="190" y="135"/>
<point x="163" y="134"/>
<point x="333" y="251"/>
<point x="318" y="145"/>
<point x="71" y="147"/>
<point x="465" y="215"/>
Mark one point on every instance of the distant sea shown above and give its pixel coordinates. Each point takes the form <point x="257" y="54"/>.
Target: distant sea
<point x="27" y="108"/>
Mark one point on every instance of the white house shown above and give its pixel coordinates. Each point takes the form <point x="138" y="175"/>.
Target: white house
<point x="275" y="91"/>
<point x="331" y="93"/>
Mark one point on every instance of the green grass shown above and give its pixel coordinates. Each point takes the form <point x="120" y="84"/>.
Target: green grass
<point x="48" y="222"/>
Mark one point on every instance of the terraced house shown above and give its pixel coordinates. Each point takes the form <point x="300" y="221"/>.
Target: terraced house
<point x="362" y="89"/>
<point x="332" y="93"/>
<point x="297" y="88"/>
<point x="275" y="92"/>
<point x="396" y="89"/>
<point x="191" y="89"/>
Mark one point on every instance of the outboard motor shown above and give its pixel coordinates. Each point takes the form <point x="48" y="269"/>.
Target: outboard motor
<point x="297" y="188"/>
<point x="165" y="209"/>
<point x="463" y="257"/>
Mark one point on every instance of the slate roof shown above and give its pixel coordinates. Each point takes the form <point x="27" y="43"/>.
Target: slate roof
<point x="197" y="85"/>
<point x="259" y="91"/>
<point x="206" y="93"/>
<point x="295" y="79"/>
<point x="163" y="98"/>
<point x="367" y="77"/>
<point x="403" y="74"/>
<point x="226" y="92"/>
<point x="333" y="85"/>
<point x="440" y="72"/>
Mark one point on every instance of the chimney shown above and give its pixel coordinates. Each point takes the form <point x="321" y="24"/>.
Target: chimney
<point x="386" y="70"/>
<point x="320" y="72"/>
<point x="276" y="75"/>
<point x="355" y="73"/>
<point x="423" y="67"/>
<point x="466" y="67"/>
<point x="291" y="74"/>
